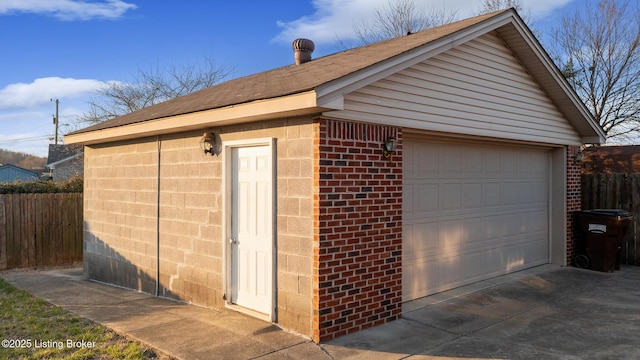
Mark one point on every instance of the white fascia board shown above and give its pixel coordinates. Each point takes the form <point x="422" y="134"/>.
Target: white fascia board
<point x="291" y="105"/>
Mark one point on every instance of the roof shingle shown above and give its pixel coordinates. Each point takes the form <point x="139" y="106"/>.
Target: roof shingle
<point x="289" y="79"/>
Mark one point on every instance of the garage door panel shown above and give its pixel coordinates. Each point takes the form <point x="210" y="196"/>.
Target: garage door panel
<point x="509" y="163"/>
<point x="491" y="194"/>
<point x="451" y="160"/>
<point x="451" y="197"/>
<point x="492" y="163"/>
<point x="534" y="222"/>
<point x="480" y="211"/>
<point x="473" y="261"/>
<point x="425" y="197"/>
<point x="451" y="236"/>
<point x="474" y="228"/>
<point x="422" y="277"/>
<point x="510" y="193"/>
<point x="450" y="270"/>
<point x="472" y="194"/>
<point x="421" y="241"/>
<point x="473" y="163"/>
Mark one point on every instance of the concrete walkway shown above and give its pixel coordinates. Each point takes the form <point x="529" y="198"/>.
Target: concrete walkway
<point x="542" y="313"/>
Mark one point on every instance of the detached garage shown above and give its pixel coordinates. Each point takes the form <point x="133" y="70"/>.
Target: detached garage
<point x="332" y="190"/>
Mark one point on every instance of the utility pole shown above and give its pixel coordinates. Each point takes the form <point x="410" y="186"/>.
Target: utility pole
<point x="55" y="121"/>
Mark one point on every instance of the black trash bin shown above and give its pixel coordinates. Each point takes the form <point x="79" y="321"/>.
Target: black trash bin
<point x="599" y="237"/>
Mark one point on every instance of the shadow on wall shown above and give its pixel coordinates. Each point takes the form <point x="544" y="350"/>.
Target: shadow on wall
<point x="105" y="264"/>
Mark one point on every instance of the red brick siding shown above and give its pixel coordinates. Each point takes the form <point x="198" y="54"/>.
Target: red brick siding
<point x="358" y="243"/>
<point x="573" y="196"/>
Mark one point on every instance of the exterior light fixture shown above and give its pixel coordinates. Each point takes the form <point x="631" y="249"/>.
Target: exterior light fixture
<point x="577" y="158"/>
<point x="208" y="143"/>
<point x="390" y="146"/>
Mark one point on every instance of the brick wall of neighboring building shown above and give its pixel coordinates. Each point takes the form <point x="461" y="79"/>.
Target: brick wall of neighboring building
<point x="573" y="196"/>
<point x="358" y="241"/>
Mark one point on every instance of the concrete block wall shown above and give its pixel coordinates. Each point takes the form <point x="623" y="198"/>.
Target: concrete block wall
<point x="574" y="201"/>
<point x="121" y="208"/>
<point x="358" y="242"/>
<point x="190" y="222"/>
<point x="294" y="214"/>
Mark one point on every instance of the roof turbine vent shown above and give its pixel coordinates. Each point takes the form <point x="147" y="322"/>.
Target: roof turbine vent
<point x="302" y="49"/>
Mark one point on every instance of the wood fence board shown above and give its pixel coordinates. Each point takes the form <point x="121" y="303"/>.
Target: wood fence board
<point x="40" y="230"/>
<point x="11" y="263"/>
<point x="37" y="213"/>
<point x="49" y="235"/>
<point x="23" y="240"/>
<point x="58" y="210"/>
<point x="17" y="230"/>
<point x="79" y="221"/>
<point x="31" y="228"/>
<point x="67" y="244"/>
<point x="79" y="201"/>
<point x="3" y="235"/>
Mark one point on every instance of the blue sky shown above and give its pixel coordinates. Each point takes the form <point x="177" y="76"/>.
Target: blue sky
<point x="65" y="49"/>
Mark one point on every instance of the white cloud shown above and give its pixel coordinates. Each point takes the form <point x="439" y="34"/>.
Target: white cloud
<point x="334" y="19"/>
<point x="40" y="91"/>
<point x="68" y="9"/>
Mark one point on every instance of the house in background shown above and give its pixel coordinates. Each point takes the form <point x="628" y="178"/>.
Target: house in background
<point x="334" y="190"/>
<point x="64" y="162"/>
<point x="10" y="173"/>
<point x="611" y="159"/>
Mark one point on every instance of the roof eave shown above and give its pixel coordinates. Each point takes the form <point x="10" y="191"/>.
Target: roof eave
<point x="286" y="106"/>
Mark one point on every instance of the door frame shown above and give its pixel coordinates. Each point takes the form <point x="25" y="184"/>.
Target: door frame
<point x="227" y="212"/>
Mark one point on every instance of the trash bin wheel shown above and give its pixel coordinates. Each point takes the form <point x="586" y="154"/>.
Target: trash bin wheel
<point x="582" y="261"/>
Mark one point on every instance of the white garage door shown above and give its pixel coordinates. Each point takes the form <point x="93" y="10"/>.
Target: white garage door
<point x="471" y="212"/>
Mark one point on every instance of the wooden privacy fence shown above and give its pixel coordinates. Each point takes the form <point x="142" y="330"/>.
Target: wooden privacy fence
<point x="616" y="191"/>
<point x="40" y="230"/>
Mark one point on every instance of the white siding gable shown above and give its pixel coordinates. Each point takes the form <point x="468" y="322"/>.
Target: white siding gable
<point x="478" y="88"/>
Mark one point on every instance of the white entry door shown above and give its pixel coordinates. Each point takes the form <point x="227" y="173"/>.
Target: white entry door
<point x="251" y="244"/>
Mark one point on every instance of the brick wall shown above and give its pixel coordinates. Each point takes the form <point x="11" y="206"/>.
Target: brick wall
<point x="573" y="196"/>
<point x="358" y="240"/>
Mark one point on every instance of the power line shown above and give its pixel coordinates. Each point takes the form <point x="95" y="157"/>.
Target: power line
<point x="25" y="139"/>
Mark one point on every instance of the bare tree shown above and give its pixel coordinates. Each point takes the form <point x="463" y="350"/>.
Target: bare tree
<point x="598" y="48"/>
<point x="150" y="87"/>
<point x="495" y="5"/>
<point x="398" y="18"/>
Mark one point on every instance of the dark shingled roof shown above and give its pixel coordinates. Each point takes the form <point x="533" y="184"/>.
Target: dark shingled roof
<point x="290" y="79"/>
<point x="59" y="152"/>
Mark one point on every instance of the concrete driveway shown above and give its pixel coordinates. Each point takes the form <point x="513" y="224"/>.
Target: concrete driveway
<point x="542" y="313"/>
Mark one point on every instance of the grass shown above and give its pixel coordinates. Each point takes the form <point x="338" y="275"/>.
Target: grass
<point x="35" y="329"/>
